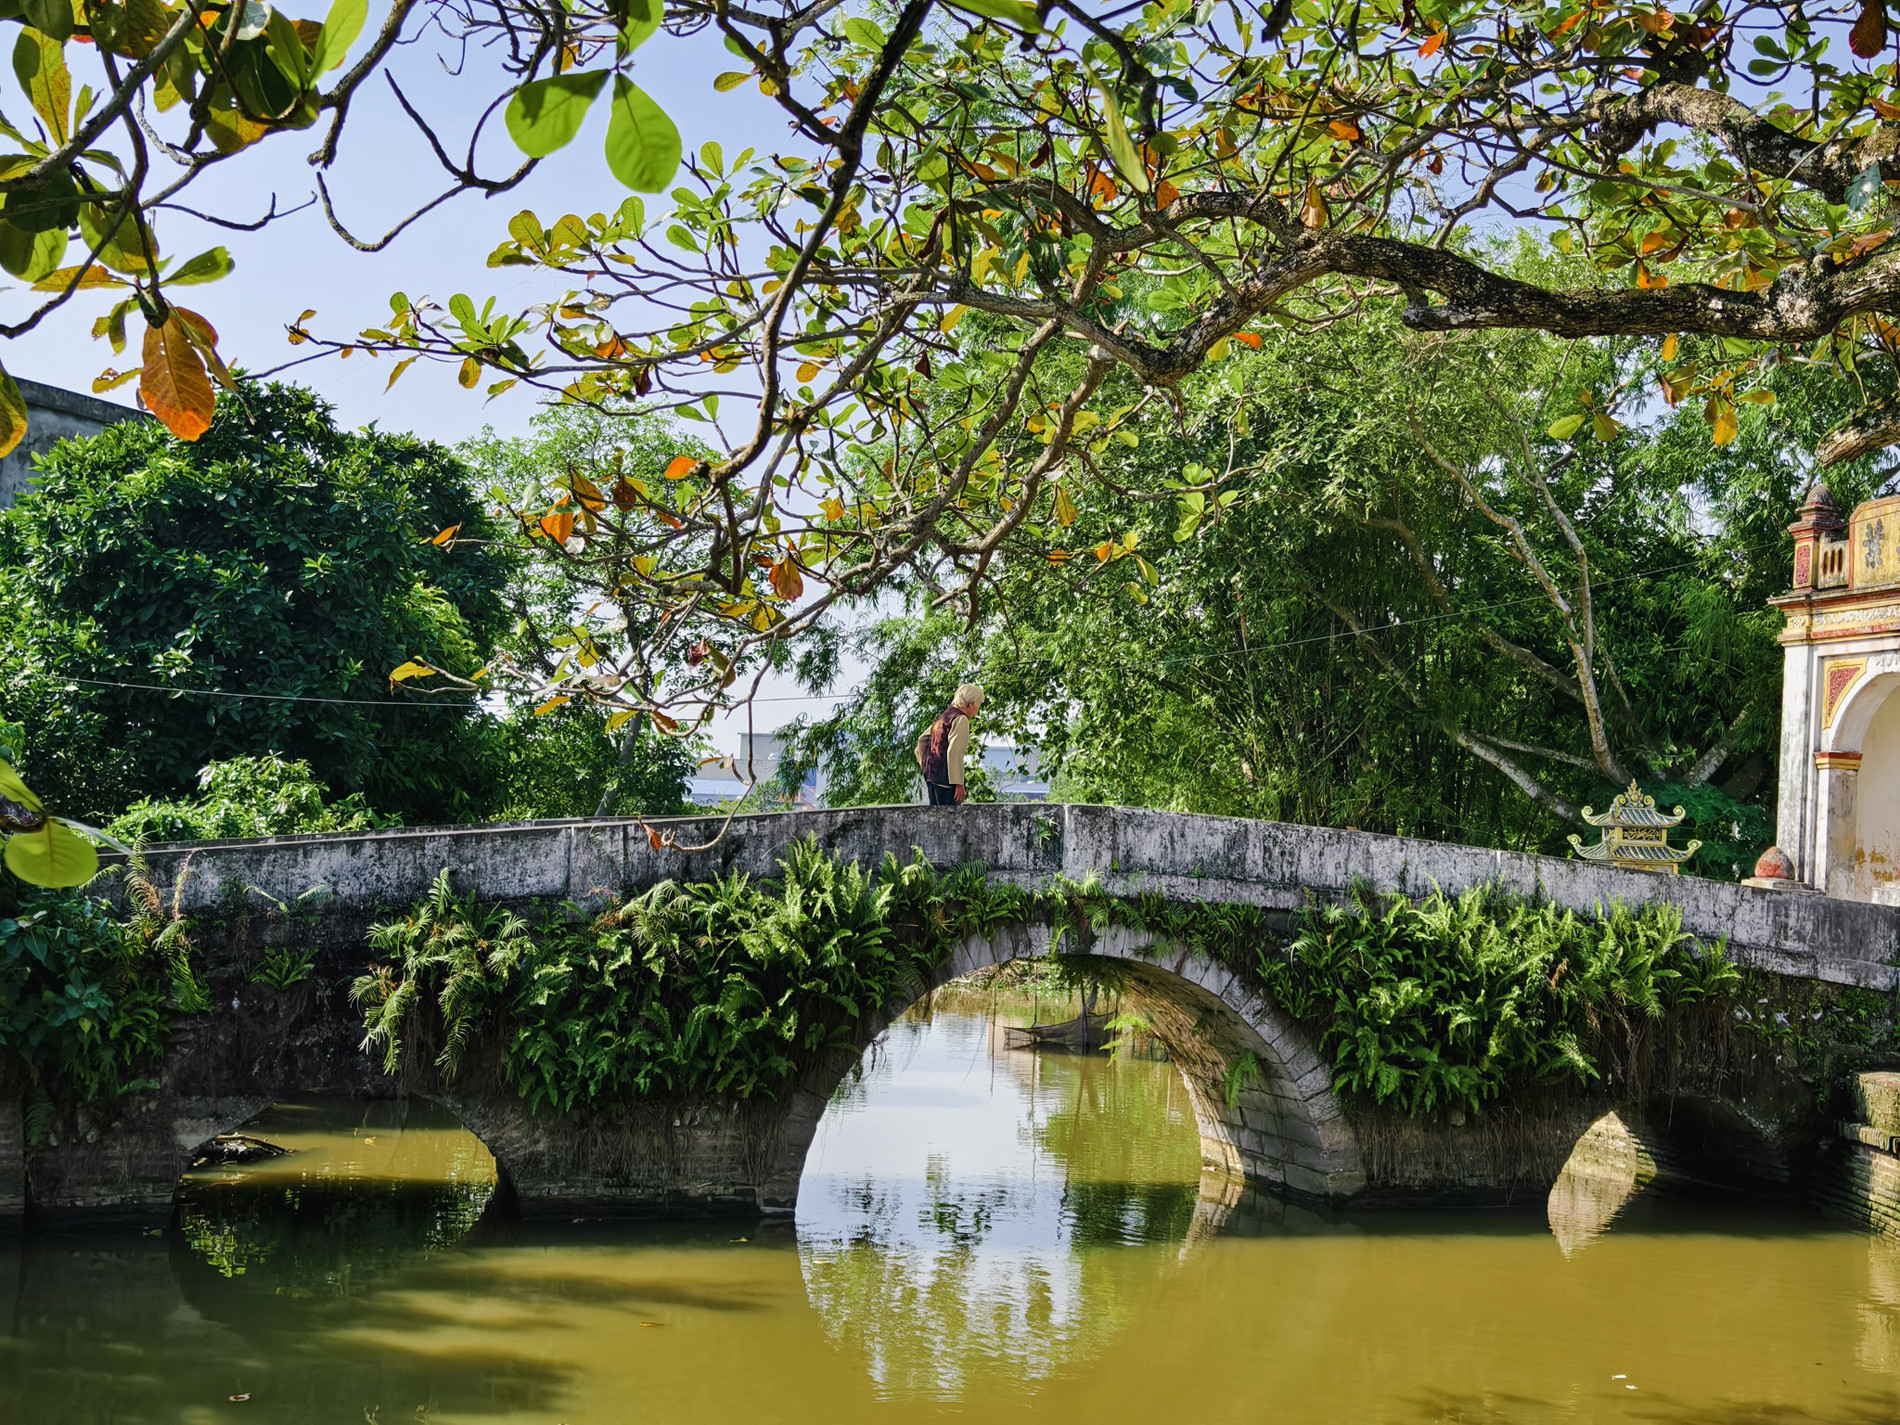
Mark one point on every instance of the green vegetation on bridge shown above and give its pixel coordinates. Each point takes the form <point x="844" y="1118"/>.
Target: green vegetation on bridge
<point x="730" y="989"/>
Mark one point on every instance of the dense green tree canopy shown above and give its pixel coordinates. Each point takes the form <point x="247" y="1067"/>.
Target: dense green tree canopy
<point x="996" y="232"/>
<point x="1359" y="581"/>
<point x="276" y="555"/>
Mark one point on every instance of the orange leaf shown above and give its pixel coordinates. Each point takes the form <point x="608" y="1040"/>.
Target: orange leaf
<point x="557" y="525"/>
<point x="1345" y="129"/>
<point x="446" y="535"/>
<point x="1248" y="339"/>
<point x="1166" y="193"/>
<point x="1103" y="187"/>
<point x="624" y="494"/>
<point x="1867" y="242"/>
<point x="653" y="840"/>
<point x="1568" y="25"/>
<point x="663" y="722"/>
<point x="1886" y="110"/>
<point x="1432" y="45"/>
<point x="1106" y="550"/>
<point x="1313" y="212"/>
<point x="1869" y="35"/>
<point x="1647" y="279"/>
<point x="680" y="466"/>
<point x="173" y="383"/>
<point x="786" y="582"/>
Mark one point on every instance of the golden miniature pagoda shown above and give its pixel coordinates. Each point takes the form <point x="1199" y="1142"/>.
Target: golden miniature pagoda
<point x="1635" y="835"/>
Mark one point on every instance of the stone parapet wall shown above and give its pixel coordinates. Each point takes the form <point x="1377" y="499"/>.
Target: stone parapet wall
<point x="1184" y="857"/>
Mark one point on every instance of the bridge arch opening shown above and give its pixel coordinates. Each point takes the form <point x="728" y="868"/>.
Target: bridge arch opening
<point x="1262" y="1099"/>
<point x="315" y="1194"/>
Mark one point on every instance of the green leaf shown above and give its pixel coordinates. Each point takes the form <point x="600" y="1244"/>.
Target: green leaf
<point x="643" y="146"/>
<point x="731" y="80"/>
<point x="205" y="267"/>
<point x="30" y="256"/>
<point x="52" y="18"/>
<point x="340" y="29"/>
<point x="12" y="428"/>
<point x="52" y="856"/>
<point x="40" y="65"/>
<point x="11" y="787"/>
<point x="1565" y="428"/>
<point x="1865" y="187"/>
<point x="546" y="113"/>
<point x="863" y="32"/>
<point x="1121" y="147"/>
<point x="1012" y="12"/>
<point x="643" y="18"/>
<point x="287" y="55"/>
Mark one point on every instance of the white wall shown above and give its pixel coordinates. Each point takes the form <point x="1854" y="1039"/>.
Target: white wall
<point x="1877" y="799"/>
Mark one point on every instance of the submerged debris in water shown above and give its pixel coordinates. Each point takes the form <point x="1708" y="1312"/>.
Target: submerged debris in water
<point x="236" y="1149"/>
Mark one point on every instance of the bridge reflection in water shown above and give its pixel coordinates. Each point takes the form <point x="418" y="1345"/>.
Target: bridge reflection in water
<point x="984" y="1232"/>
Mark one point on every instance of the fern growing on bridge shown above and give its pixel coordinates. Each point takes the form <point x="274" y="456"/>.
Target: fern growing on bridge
<point x="1461" y="1001"/>
<point x="727" y="990"/>
<point x="714" y="990"/>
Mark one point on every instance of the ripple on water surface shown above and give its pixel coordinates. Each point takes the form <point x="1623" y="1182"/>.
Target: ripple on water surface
<point x="982" y="1232"/>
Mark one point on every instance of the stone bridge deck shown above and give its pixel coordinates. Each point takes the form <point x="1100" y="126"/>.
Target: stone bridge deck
<point x="1182" y="856"/>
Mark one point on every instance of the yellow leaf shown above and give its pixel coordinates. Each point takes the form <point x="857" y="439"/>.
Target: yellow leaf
<point x="1720" y="414"/>
<point x="552" y="703"/>
<point x="1065" y="510"/>
<point x="470" y="373"/>
<point x="401" y="366"/>
<point x="587" y="491"/>
<point x="808" y="372"/>
<point x="951" y="318"/>
<point x="621" y="719"/>
<point x="446" y="535"/>
<point x="411" y="669"/>
<point x="833" y="508"/>
<point x="1669" y="347"/>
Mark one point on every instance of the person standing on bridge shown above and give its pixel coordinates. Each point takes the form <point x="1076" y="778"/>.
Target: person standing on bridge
<point x="940" y="751"/>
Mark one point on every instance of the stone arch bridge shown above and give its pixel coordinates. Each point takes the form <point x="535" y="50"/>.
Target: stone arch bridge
<point x="1284" y="1128"/>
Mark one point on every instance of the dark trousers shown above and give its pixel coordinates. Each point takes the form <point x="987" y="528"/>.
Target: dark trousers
<point x="942" y="794"/>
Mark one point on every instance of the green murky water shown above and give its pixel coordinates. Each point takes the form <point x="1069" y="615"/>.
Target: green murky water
<point x="982" y="1232"/>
